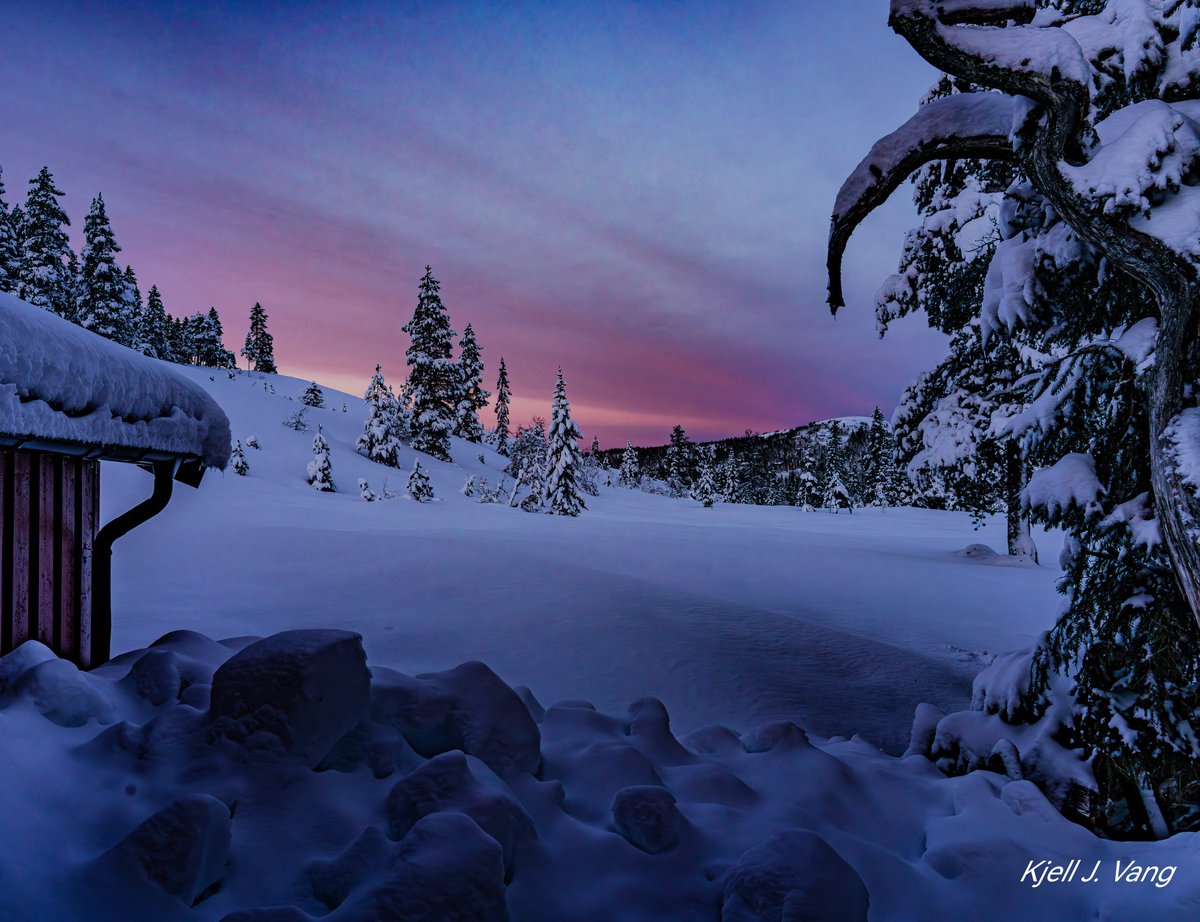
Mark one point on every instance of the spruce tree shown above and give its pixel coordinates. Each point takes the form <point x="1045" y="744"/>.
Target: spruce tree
<point x="503" y="398"/>
<point x="379" y="440"/>
<point x="629" y="474"/>
<point x="433" y="376"/>
<point x="259" y="348"/>
<point x="155" y="332"/>
<point x="562" y="494"/>
<point x="705" y="490"/>
<point x="364" y="490"/>
<point x="237" y="459"/>
<point x="471" y="396"/>
<point x="527" y="461"/>
<point x="10" y="246"/>
<point x="418" y="486"/>
<point x="881" y="487"/>
<point x="834" y="494"/>
<point x="320" y="468"/>
<point x="45" y="279"/>
<point x="104" y="306"/>
<point x="313" y="396"/>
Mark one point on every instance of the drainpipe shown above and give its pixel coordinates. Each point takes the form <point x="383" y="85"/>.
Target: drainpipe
<point x="164" y="475"/>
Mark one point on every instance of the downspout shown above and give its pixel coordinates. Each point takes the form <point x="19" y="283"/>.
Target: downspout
<point x="164" y="475"/>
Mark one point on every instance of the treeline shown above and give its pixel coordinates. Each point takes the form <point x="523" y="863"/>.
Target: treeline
<point x="91" y="288"/>
<point x="831" y="465"/>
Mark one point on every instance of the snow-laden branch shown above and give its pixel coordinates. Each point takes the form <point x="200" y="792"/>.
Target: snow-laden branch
<point x="975" y="125"/>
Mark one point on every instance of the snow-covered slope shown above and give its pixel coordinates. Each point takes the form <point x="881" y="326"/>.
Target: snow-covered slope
<point x="178" y="782"/>
<point x="736" y="614"/>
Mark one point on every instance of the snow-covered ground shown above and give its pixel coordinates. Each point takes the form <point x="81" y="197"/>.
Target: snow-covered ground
<point x="736" y="616"/>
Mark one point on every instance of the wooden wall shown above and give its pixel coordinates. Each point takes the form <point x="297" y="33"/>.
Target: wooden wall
<point x="49" y="515"/>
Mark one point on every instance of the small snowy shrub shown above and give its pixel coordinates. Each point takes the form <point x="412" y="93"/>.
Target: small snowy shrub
<point x="419" y="488"/>
<point x="252" y="442"/>
<point x="468" y="487"/>
<point x="320" y="468"/>
<point x="313" y="396"/>
<point x="237" y="460"/>
<point x="297" y="421"/>
<point x="364" y="490"/>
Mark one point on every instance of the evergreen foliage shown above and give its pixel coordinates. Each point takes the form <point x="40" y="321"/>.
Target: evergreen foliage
<point x="45" y="276"/>
<point x="630" y="473"/>
<point x="320" y="468"/>
<point x="418" y="486"/>
<point x="563" y="495"/>
<point x="259" y="348"/>
<point x="471" y="396"/>
<point x="10" y="245"/>
<point x="433" y="377"/>
<point x="500" y="437"/>
<point x="237" y="460"/>
<point x="313" y="396"/>
<point x="380" y="440"/>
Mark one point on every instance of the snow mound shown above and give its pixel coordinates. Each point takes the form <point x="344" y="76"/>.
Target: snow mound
<point x="160" y="818"/>
<point x="60" y="382"/>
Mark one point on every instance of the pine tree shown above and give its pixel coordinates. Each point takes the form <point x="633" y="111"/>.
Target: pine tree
<point x="834" y="492"/>
<point x="44" y="276"/>
<point x="136" y="311"/>
<point x="630" y="473"/>
<point x="379" y="440"/>
<point x="419" y="487"/>
<point x="364" y="490"/>
<point x="705" y="490"/>
<point x="155" y="330"/>
<point x="503" y="397"/>
<point x="471" y="396"/>
<point x="259" y="348"/>
<point x="104" y="306"/>
<point x="320" y="468"/>
<point x="681" y="462"/>
<point x="433" y="376"/>
<point x="313" y="396"/>
<point x="562" y="493"/>
<point x="220" y="357"/>
<point x="238" y="460"/>
<point x="881" y="487"/>
<point x="10" y="245"/>
<point x="527" y="462"/>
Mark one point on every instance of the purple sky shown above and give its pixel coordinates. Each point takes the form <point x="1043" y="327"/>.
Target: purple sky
<point x="639" y="192"/>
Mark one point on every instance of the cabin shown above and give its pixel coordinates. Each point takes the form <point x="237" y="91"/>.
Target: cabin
<point x="70" y="401"/>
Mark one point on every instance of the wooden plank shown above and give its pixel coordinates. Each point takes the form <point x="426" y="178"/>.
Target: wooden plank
<point x="44" y="470"/>
<point x="69" y="549"/>
<point x="89" y="521"/>
<point x="23" y="535"/>
<point x="6" y="550"/>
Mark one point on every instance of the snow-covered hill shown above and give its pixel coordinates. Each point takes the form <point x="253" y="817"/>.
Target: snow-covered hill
<point x="178" y="782"/>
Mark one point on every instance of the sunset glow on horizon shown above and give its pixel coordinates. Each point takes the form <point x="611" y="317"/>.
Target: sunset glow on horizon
<point x="638" y="192"/>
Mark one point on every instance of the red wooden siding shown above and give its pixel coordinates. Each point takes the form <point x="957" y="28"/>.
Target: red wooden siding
<point x="49" y="514"/>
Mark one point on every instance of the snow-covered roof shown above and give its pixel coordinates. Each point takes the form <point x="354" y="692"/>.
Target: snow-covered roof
<point x="61" y="384"/>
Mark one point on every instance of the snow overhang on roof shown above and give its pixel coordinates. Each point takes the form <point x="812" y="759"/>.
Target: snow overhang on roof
<point x="66" y="389"/>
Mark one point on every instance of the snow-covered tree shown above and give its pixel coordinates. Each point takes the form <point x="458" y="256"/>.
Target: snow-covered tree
<point x="881" y="484"/>
<point x="503" y="398"/>
<point x="10" y="246"/>
<point x="471" y="397"/>
<point x="527" y="460"/>
<point x="419" y="487"/>
<point x="154" y="334"/>
<point x="259" y="348"/>
<point x="45" y="277"/>
<point x="365" y="491"/>
<point x="103" y="304"/>
<point x="379" y="440"/>
<point x="629" y="475"/>
<point x="563" y="495"/>
<point x="313" y="396"/>
<point x="806" y="491"/>
<point x="468" y="487"/>
<point x="589" y="470"/>
<point x="680" y="462"/>
<point x="1071" y="144"/>
<point x="320" y="468"/>
<point x="237" y="460"/>
<point x="433" y="377"/>
<point x="705" y="490"/>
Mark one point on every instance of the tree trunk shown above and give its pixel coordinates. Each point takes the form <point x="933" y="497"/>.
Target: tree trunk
<point x="1020" y="540"/>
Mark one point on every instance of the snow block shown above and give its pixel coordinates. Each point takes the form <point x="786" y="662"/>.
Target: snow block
<point x="467" y="708"/>
<point x="714" y="739"/>
<point x="781" y="733"/>
<point x="182" y="847"/>
<point x="66" y="696"/>
<point x="646" y="816"/>
<point x="650" y="728"/>
<point x="793" y="875"/>
<point x="333" y="881"/>
<point x="155" y="677"/>
<point x="446" y="783"/>
<point x="378" y="746"/>
<point x="924" y="729"/>
<point x="15" y="666"/>
<point x="447" y="869"/>
<point x="306" y="688"/>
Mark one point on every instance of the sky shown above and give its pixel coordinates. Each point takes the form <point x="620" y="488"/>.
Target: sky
<point x="638" y="192"/>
